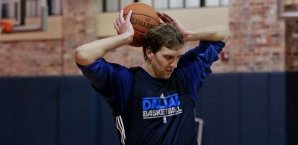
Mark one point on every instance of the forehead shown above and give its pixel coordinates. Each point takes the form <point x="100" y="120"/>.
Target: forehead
<point x="168" y="51"/>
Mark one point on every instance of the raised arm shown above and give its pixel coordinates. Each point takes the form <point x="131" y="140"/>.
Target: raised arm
<point x="90" y="52"/>
<point x="211" y="33"/>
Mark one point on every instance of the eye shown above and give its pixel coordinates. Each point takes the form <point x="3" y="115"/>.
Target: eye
<point x="168" y="57"/>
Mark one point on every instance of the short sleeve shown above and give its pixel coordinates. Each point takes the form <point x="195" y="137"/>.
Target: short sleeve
<point x="113" y="81"/>
<point x="195" y="65"/>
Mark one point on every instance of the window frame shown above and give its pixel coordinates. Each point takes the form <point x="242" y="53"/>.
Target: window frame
<point x="202" y="4"/>
<point x="286" y="14"/>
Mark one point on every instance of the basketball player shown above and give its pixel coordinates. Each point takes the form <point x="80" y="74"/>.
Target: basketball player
<point x="153" y="104"/>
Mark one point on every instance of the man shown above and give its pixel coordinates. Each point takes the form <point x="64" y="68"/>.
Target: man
<point x="153" y="104"/>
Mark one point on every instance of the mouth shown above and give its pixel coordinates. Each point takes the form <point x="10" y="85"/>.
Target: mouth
<point x="169" y="71"/>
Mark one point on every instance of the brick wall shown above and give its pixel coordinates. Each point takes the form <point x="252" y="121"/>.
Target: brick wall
<point x="78" y="28"/>
<point x="291" y="45"/>
<point x="257" y="42"/>
<point x="52" y="57"/>
<point x="291" y="41"/>
<point x="31" y="58"/>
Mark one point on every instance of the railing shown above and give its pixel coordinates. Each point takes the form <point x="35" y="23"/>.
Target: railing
<point x="116" y="5"/>
<point x="18" y="10"/>
<point x="12" y="9"/>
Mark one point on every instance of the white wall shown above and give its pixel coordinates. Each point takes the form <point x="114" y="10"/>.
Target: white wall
<point x="191" y="18"/>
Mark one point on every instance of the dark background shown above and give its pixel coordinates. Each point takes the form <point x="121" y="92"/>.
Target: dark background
<point x="237" y="109"/>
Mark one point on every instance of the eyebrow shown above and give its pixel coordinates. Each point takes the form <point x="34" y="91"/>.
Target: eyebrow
<point x="168" y="55"/>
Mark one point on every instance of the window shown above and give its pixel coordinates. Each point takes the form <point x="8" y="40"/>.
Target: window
<point x="55" y="7"/>
<point x="288" y="8"/>
<point x="13" y="8"/>
<point x="212" y="3"/>
<point x="216" y="3"/>
<point x="33" y="7"/>
<point x="10" y="10"/>
<point x="116" y="5"/>
<point x="192" y="3"/>
<point x="176" y="3"/>
<point x="149" y="2"/>
<point x="5" y="11"/>
<point x="160" y="4"/>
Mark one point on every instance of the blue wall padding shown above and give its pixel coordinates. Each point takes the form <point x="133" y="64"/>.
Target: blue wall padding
<point x="28" y="111"/>
<point x="237" y="109"/>
<point x="231" y="106"/>
<point x="254" y="111"/>
<point x="277" y="109"/>
<point x="244" y="109"/>
<point x="7" y="111"/>
<point x="219" y="106"/>
<point x="107" y="128"/>
<point x="210" y="108"/>
<point x="292" y="108"/>
<point x="75" y="112"/>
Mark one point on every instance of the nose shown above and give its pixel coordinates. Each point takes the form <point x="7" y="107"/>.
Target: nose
<point x="174" y="63"/>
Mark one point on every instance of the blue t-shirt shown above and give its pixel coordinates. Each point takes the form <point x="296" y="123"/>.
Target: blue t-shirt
<point x="151" y="111"/>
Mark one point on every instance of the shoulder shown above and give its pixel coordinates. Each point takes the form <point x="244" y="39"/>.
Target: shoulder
<point x="134" y="70"/>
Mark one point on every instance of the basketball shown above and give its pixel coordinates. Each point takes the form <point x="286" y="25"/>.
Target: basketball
<point x="143" y="18"/>
<point x="6" y="26"/>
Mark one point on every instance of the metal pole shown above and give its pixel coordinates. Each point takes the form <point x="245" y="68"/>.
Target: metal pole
<point x="202" y="3"/>
<point x="44" y="15"/>
<point x="23" y="12"/>
<point x="104" y="6"/>
<point x="220" y="2"/>
<point x="0" y="9"/>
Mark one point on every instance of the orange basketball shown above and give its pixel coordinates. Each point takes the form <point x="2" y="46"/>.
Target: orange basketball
<point x="7" y="25"/>
<point x="143" y="18"/>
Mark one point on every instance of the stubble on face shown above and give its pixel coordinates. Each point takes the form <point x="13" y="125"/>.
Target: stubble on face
<point x="165" y="61"/>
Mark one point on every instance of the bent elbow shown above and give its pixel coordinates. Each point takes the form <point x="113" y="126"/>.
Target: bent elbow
<point x="223" y="35"/>
<point x="227" y="36"/>
<point x="80" y="56"/>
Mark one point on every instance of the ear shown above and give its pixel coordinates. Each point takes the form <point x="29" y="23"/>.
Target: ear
<point x="149" y="54"/>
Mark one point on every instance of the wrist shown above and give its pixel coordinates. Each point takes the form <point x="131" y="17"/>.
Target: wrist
<point x="127" y="38"/>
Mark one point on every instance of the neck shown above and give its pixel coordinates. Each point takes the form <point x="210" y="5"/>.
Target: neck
<point x="148" y="68"/>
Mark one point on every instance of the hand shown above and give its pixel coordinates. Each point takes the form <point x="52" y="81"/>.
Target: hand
<point x="124" y="26"/>
<point x="174" y="23"/>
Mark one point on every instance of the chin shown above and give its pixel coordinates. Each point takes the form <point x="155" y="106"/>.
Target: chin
<point x="166" y="76"/>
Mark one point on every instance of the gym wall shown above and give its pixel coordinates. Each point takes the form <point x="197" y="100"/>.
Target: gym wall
<point x="237" y="109"/>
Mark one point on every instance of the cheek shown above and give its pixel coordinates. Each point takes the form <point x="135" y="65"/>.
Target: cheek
<point x="162" y="63"/>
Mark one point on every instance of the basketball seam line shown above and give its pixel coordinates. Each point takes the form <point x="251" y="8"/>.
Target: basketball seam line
<point x="139" y="30"/>
<point x="144" y="15"/>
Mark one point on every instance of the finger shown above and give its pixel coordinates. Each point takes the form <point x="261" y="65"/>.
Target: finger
<point x="159" y="13"/>
<point x="117" y="19"/>
<point x="121" y="17"/>
<point x="164" y="17"/>
<point x="118" y="23"/>
<point x="169" y="17"/>
<point x="129" y="15"/>
<point x="116" y="28"/>
<point x="161" y="21"/>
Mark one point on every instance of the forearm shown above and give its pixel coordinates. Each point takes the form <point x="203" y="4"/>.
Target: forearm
<point x="90" y="52"/>
<point x="211" y="33"/>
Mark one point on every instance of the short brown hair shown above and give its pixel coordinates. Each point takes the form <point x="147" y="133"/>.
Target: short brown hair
<point x="162" y="35"/>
